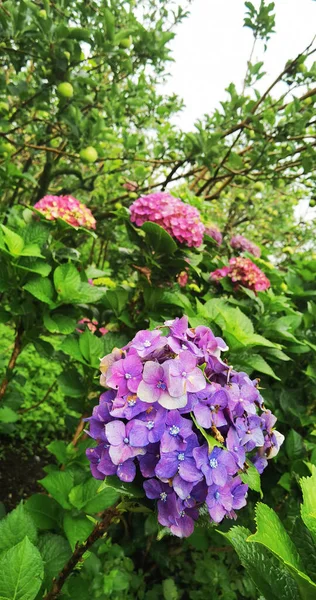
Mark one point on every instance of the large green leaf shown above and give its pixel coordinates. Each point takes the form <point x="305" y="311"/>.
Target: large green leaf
<point x="55" y="552"/>
<point x="67" y="281"/>
<point x="86" y="496"/>
<point x="15" y="527"/>
<point x="42" y="289"/>
<point x="44" y="511"/>
<point x="7" y="415"/>
<point x="158" y="239"/>
<point x="59" y="484"/>
<point x="308" y="508"/>
<point x="273" y="581"/>
<point x="257" y="363"/>
<point x="127" y="489"/>
<point x="305" y="543"/>
<point x="21" y="572"/>
<point x="91" y="348"/>
<point x="14" y="242"/>
<point x="70" y="346"/>
<point x="77" y="529"/>
<point x="57" y="323"/>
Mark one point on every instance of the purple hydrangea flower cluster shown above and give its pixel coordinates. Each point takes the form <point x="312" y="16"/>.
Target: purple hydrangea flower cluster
<point x="182" y="221"/>
<point x="181" y="420"/>
<point x="239" y="242"/>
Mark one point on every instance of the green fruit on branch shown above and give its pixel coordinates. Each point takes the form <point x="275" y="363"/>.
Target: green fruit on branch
<point x="65" y="90"/>
<point x="258" y="186"/>
<point x="42" y="13"/>
<point x="126" y="42"/>
<point x="89" y="154"/>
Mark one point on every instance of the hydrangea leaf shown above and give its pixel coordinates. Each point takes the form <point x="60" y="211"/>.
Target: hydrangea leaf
<point x="91" y="348"/>
<point x="273" y="581"/>
<point x="67" y="281"/>
<point x="158" y="238"/>
<point x="77" y="529"/>
<point x="14" y="242"/>
<point x="56" y="323"/>
<point x="21" y="572"/>
<point x="15" y="527"/>
<point x="251" y="477"/>
<point x="306" y="545"/>
<point x="34" y="266"/>
<point x="86" y="496"/>
<point x="59" y="484"/>
<point x="257" y="363"/>
<point x="127" y="489"/>
<point x="43" y="510"/>
<point x="55" y="552"/>
<point x="308" y="508"/>
<point x="42" y="289"/>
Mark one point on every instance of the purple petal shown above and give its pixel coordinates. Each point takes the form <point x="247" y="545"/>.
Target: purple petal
<point x="188" y="470"/>
<point x="137" y="433"/>
<point x="167" y="466"/>
<point x="115" y="432"/>
<point x="126" y="471"/>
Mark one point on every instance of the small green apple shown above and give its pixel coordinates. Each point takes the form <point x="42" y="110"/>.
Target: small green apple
<point x="89" y="154"/>
<point x="42" y="13"/>
<point x="65" y="90"/>
<point x="258" y="186"/>
<point x="126" y="42"/>
<point x="67" y="55"/>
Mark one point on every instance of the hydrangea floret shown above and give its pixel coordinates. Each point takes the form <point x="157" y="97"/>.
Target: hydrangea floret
<point x="182" y="221"/>
<point x="213" y="232"/>
<point x="243" y="272"/>
<point x="182" y="421"/>
<point x="239" y="242"/>
<point x="67" y="208"/>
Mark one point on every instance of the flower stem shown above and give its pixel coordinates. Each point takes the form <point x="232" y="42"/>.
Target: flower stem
<point x="15" y="353"/>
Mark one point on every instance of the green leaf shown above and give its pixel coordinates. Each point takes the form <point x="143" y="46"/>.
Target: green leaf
<point x="306" y="546"/>
<point x="55" y="552"/>
<point x="43" y="510"/>
<point x="21" y="572"/>
<point x="34" y="266"/>
<point x="308" y="508"/>
<point x="86" y="496"/>
<point x="71" y="384"/>
<point x="57" y="323"/>
<point x="16" y="525"/>
<point x="77" y="529"/>
<point x="67" y="281"/>
<point x="258" y="363"/>
<point x="127" y="489"/>
<point x="273" y="581"/>
<point x="70" y="346"/>
<point x="251" y="477"/>
<point x="7" y="415"/>
<point x="42" y="289"/>
<point x="294" y="445"/>
<point x="158" y="239"/>
<point x="271" y="533"/>
<point x="59" y="484"/>
<point x="14" y="242"/>
<point x="59" y="449"/>
<point x="31" y="250"/>
<point x="91" y="348"/>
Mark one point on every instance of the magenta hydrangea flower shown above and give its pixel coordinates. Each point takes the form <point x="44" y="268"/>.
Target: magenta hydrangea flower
<point x="243" y="272"/>
<point x="213" y="232"/>
<point x="183" y="422"/>
<point x="67" y="208"/>
<point x="182" y="221"/>
<point x="239" y="242"/>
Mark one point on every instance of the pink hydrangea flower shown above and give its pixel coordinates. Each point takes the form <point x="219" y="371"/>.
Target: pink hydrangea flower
<point x="92" y="325"/>
<point x="239" y="242"/>
<point x="67" y="208"/>
<point x="213" y="232"/>
<point x="180" y="220"/>
<point x="242" y="271"/>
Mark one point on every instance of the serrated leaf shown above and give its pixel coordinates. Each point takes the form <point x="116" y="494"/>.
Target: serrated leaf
<point x="86" y="496"/>
<point x="71" y="383"/>
<point x="21" y="572"/>
<point x="251" y="477"/>
<point x="70" y="346"/>
<point x="91" y="348"/>
<point x="257" y="362"/>
<point x="77" y="529"/>
<point x="127" y="489"/>
<point x="41" y="288"/>
<point x="273" y="581"/>
<point x="7" y="415"/>
<point x="14" y="242"/>
<point x="59" y="484"/>
<point x="16" y="525"/>
<point x="306" y="546"/>
<point x="34" y="266"/>
<point x="55" y="552"/>
<point x="43" y="510"/>
<point x="308" y="508"/>
<point x="67" y="281"/>
<point x="158" y="239"/>
<point x="57" y="323"/>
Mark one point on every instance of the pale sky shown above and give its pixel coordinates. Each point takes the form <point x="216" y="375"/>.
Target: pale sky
<point x="211" y="49"/>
